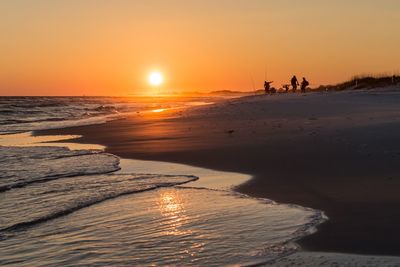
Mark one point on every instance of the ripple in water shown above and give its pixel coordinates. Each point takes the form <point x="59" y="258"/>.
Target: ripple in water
<point x="176" y="226"/>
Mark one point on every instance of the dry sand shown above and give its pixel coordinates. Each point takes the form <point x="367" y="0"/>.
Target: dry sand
<point x="336" y="152"/>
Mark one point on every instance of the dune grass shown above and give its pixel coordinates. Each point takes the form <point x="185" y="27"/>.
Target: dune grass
<point x="363" y="82"/>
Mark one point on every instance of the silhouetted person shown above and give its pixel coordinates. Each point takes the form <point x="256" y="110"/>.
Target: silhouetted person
<point x="294" y="83"/>
<point x="304" y="85"/>
<point x="267" y="86"/>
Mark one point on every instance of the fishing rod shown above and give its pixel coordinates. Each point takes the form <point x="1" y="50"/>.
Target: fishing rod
<point x="253" y="83"/>
<point x="265" y="72"/>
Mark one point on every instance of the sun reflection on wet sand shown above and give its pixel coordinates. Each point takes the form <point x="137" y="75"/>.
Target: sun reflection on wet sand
<point x="158" y="110"/>
<point x="27" y="139"/>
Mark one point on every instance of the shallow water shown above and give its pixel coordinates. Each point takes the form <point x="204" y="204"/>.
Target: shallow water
<point x="166" y="226"/>
<point x="22" y="114"/>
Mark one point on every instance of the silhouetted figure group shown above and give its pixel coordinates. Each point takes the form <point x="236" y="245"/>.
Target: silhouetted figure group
<point x="294" y="82"/>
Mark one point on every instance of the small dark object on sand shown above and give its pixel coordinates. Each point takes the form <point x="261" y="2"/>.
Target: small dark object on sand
<point x="230" y="131"/>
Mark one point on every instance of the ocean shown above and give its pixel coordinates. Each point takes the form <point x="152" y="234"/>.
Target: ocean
<point x="64" y="205"/>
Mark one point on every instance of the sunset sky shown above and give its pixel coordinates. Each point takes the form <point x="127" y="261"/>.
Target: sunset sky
<point x="79" y="47"/>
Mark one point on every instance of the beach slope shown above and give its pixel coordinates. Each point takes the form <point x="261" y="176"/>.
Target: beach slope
<point x="337" y="152"/>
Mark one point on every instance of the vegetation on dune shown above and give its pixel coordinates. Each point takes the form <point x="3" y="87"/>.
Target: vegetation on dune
<point x="363" y="82"/>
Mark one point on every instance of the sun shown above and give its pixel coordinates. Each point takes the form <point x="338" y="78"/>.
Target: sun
<point x="156" y="78"/>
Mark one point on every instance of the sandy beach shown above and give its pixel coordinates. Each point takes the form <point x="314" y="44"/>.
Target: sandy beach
<point x="337" y="152"/>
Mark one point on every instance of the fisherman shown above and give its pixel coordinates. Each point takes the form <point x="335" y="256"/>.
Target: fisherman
<point x="294" y="83"/>
<point x="304" y="85"/>
<point x="267" y="86"/>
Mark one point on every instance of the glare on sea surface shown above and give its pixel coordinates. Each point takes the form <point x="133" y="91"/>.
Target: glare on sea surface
<point x="156" y="78"/>
<point x="172" y="208"/>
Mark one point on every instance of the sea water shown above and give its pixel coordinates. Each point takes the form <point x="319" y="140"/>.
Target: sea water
<point x="21" y="114"/>
<point x="74" y="206"/>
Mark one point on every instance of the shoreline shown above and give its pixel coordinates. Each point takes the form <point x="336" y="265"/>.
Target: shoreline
<point x="185" y="138"/>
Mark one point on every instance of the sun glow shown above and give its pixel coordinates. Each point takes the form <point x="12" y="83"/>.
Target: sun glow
<point x="156" y="78"/>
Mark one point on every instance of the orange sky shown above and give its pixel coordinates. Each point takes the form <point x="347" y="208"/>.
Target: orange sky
<point x="108" y="47"/>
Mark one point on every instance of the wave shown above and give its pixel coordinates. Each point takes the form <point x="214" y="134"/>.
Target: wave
<point x="22" y="166"/>
<point x="48" y="124"/>
<point x="21" y="114"/>
<point x="102" y="108"/>
<point x="38" y="203"/>
<point x="31" y="120"/>
<point x="49" y="182"/>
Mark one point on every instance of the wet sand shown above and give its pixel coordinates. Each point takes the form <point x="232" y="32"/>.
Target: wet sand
<point x="336" y="152"/>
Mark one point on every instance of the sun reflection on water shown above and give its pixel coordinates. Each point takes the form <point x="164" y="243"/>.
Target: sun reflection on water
<point x="172" y="208"/>
<point x="178" y="223"/>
